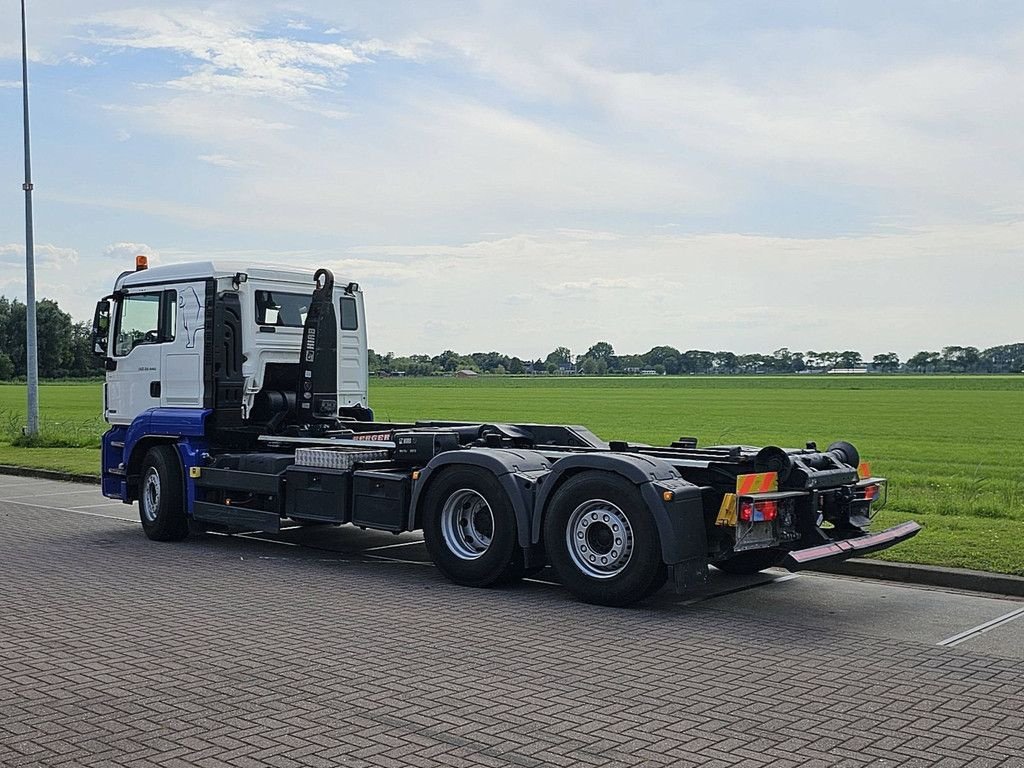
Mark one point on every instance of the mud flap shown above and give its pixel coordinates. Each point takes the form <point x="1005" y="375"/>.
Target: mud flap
<point x="689" y="574"/>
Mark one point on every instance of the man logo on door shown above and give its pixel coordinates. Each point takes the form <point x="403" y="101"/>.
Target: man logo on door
<point x="191" y="311"/>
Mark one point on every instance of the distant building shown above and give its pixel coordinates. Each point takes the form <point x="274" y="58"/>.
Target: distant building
<point x="848" y="370"/>
<point x="465" y="373"/>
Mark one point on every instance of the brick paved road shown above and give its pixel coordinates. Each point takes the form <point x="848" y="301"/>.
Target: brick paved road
<point x="225" y="651"/>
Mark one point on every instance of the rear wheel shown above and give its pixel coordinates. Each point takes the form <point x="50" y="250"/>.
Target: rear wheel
<point x="161" y="497"/>
<point x="602" y="541"/>
<point x="747" y="563"/>
<point x="469" y="527"/>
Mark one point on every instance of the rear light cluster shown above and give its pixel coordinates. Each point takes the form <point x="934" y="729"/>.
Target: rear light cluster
<point x="758" y="511"/>
<point x="875" y="494"/>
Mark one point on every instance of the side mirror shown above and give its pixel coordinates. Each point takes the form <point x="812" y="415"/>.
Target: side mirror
<point x="101" y="327"/>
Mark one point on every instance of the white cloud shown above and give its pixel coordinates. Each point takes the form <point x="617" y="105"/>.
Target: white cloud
<point x="78" y="60"/>
<point x="229" y="55"/>
<point x="46" y="255"/>
<point x="413" y="48"/>
<point x="222" y="161"/>
<point x="532" y="175"/>
<point x="125" y="253"/>
<point x="749" y="293"/>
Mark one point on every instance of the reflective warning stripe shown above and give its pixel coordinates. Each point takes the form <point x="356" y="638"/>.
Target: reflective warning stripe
<point x="863" y="470"/>
<point x="761" y="482"/>
<point x="727" y="512"/>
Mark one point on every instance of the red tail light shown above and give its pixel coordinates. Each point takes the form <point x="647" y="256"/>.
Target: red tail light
<point x="870" y="492"/>
<point x="758" y="511"/>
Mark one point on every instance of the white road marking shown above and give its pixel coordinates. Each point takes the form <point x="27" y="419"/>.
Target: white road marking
<point x="40" y="495"/>
<point x="254" y="538"/>
<point x="981" y="629"/>
<point x="73" y="511"/>
<point x="396" y="560"/>
<point x="541" y="581"/>
<point x="28" y="482"/>
<point x="90" y="506"/>
<point x="724" y="593"/>
<point x="389" y="546"/>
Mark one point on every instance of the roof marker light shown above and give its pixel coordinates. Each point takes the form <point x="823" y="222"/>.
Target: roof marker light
<point x="141" y="263"/>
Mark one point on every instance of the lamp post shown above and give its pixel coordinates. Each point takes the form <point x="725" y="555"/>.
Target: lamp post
<point x="31" y="362"/>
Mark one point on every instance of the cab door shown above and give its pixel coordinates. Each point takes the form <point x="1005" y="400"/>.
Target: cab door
<point x="352" y="366"/>
<point x="144" y="322"/>
<point x="183" y="351"/>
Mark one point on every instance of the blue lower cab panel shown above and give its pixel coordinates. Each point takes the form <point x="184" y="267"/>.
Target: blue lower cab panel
<point x="111" y="461"/>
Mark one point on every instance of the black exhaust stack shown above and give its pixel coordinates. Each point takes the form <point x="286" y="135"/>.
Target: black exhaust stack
<point x="317" y="392"/>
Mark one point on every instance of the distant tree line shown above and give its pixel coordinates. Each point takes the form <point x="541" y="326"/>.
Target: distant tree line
<point x="601" y="360"/>
<point x="65" y="351"/>
<point x="64" y="346"/>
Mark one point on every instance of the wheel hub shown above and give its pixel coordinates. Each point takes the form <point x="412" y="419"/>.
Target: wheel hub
<point x="599" y="539"/>
<point x="149" y="499"/>
<point x="467" y="524"/>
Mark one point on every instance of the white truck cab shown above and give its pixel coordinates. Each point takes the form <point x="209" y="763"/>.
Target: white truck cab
<point x="216" y="335"/>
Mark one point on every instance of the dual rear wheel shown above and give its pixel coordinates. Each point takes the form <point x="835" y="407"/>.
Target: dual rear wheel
<point x="598" y="535"/>
<point x="602" y="541"/>
<point x="469" y="527"/>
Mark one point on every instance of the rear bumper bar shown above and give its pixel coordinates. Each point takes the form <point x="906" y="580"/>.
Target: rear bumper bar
<point x="847" y="548"/>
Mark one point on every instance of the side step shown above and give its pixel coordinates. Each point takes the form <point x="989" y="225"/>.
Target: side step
<point x="233" y="519"/>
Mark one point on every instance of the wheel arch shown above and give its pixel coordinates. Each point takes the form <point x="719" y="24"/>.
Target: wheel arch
<point x="183" y="428"/>
<point x="677" y="528"/>
<point x="518" y="472"/>
<point x="133" y="467"/>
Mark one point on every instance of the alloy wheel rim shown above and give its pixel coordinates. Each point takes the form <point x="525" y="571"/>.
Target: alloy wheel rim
<point x="467" y="524"/>
<point x="599" y="539"/>
<point x="150" y="497"/>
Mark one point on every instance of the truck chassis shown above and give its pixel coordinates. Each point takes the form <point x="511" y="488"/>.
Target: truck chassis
<point x="495" y="501"/>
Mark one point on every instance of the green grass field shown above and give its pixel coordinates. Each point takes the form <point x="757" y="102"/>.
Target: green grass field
<point x="952" y="447"/>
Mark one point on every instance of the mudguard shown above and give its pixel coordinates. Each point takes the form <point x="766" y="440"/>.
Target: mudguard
<point x="164" y="422"/>
<point x="518" y="471"/>
<point x="680" y="521"/>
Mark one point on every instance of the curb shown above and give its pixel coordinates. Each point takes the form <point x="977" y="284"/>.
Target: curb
<point x="929" y="575"/>
<point x="49" y="474"/>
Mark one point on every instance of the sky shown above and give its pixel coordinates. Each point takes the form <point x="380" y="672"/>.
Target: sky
<point x="523" y="175"/>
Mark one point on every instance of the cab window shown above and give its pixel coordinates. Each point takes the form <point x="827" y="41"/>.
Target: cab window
<point x="145" y="318"/>
<point x="278" y="308"/>
<point x="349" y="314"/>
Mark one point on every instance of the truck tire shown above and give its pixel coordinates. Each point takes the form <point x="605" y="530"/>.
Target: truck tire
<point x="161" y="497"/>
<point x="469" y="527"/>
<point x="751" y="562"/>
<point x="602" y="541"/>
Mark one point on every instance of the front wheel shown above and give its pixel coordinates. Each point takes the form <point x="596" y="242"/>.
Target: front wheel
<point x="161" y="497"/>
<point x="469" y="527"/>
<point x="602" y="541"/>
